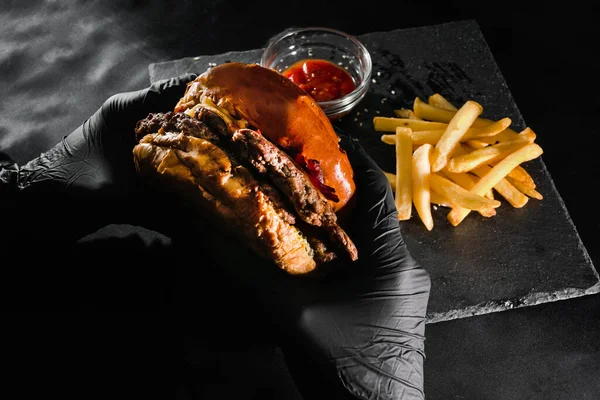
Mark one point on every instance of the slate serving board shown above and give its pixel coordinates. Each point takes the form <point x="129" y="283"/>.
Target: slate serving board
<point x="521" y="257"/>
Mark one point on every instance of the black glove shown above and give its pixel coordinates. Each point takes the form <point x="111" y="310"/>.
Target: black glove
<point x="357" y="332"/>
<point x="366" y="326"/>
<point x="87" y="180"/>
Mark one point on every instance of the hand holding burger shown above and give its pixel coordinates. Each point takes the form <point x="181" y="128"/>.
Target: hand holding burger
<point x="259" y="156"/>
<point x="357" y="333"/>
<point x="254" y="151"/>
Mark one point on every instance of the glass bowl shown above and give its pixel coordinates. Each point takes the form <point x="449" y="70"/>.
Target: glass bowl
<point x="318" y="43"/>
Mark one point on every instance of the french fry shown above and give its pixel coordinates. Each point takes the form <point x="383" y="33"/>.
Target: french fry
<point x="431" y="113"/>
<point x="457" y="127"/>
<point x="458" y="195"/>
<point x="403" y="112"/>
<point x="389" y="124"/>
<point x="514" y="196"/>
<point x="495" y="175"/>
<point x="388" y="139"/>
<point x="439" y="101"/>
<point x="404" y="189"/>
<point x="489" y="154"/>
<point x="491" y="129"/>
<point x="391" y="179"/>
<point x="418" y="137"/>
<point x="521" y="174"/>
<point x="421" y="172"/>
<point x="435" y="197"/>
<point x="506" y="134"/>
<point x="432" y="136"/>
<point x="534" y="194"/>
<point x="479" y="133"/>
<point x="467" y="181"/>
<point x="406" y="113"/>
<point x="520" y="184"/>
<point x="510" y="193"/>
<point x="524" y="188"/>
<point x="470" y="158"/>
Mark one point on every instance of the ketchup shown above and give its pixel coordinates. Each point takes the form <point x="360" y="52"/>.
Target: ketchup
<point x="321" y="79"/>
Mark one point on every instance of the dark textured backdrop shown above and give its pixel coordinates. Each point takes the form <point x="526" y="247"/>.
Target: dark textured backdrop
<point x="60" y="59"/>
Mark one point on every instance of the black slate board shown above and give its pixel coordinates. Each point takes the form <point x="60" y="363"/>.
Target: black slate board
<point x="521" y="257"/>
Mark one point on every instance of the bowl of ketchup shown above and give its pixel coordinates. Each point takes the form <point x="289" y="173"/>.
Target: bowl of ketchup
<point x="331" y="66"/>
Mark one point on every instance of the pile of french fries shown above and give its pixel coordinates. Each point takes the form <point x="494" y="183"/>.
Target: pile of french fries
<point x="453" y="157"/>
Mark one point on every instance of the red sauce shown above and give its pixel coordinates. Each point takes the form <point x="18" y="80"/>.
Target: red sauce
<point x="321" y="79"/>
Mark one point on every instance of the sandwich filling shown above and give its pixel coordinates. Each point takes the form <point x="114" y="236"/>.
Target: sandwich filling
<point x="246" y="181"/>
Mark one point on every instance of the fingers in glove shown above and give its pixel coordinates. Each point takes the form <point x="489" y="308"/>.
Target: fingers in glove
<point x="367" y="344"/>
<point x="166" y="93"/>
<point x="161" y="96"/>
<point x="375" y="227"/>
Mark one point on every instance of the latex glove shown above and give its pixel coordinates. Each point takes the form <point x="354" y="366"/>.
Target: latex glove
<point x="87" y="180"/>
<point x="356" y="333"/>
<point x="359" y="331"/>
<point x="367" y="325"/>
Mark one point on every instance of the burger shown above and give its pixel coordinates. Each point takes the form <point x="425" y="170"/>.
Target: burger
<point x="255" y="154"/>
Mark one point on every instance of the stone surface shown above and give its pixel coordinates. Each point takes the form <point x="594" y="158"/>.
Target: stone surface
<point x="521" y="257"/>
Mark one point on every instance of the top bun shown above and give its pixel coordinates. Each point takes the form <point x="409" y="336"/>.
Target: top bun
<point x="285" y="114"/>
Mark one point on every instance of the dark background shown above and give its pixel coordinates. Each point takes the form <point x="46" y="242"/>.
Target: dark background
<point x="76" y="54"/>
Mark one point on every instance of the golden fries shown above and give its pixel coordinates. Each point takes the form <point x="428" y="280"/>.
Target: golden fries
<point x="406" y="113"/>
<point x="495" y="175"/>
<point x="467" y="181"/>
<point x="439" y="101"/>
<point x="525" y="188"/>
<point x="431" y="113"/>
<point x="421" y="173"/>
<point x="436" y="198"/>
<point x="389" y="124"/>
<point x="516" y="198"/>
<point x="457" y="127"/>
<point x="459" y="196"/>
<point x="433" y="136"/>
<point x="489" y="154"/>
<point x="404" y="181"/>
<point x="456" y="158"/>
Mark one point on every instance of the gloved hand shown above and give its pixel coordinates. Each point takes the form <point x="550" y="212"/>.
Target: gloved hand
<point x="87" y="180"/>
<point x="366" y="326"/>
<point x="357" y="332"/>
